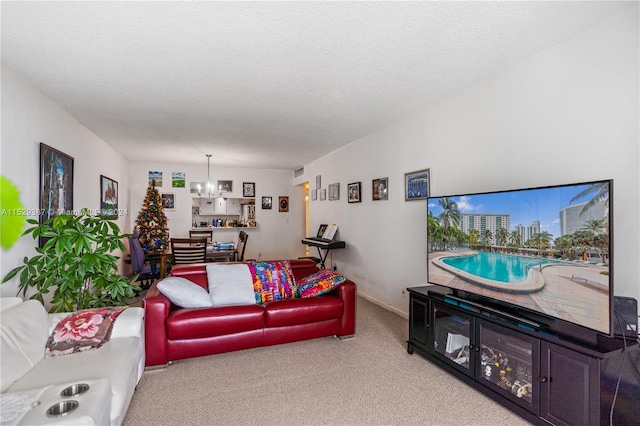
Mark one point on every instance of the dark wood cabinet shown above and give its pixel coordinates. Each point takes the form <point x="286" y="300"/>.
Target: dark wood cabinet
<point x="567" y="394"/>
<point x="544" y="378"/>
<point x="419" y="326"/>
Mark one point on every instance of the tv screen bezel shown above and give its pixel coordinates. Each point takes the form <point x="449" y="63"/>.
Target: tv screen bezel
<point x="554" y="323"/>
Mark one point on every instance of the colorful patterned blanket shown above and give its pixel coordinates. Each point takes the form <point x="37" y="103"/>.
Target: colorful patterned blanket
<point x="82" y="331"/>
<point x="272" y="281"/>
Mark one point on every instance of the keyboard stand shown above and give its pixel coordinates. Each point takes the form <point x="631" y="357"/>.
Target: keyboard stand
<point x="326" y="246"/>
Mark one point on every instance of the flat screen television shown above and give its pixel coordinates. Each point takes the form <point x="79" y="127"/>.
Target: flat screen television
<point x="543" y="251"/>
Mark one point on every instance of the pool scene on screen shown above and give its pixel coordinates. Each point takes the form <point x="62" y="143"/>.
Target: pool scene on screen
<point x="544" y="249"/>
<point x="495" y="266"/>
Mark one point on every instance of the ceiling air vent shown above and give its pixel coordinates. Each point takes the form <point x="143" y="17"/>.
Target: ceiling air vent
<point x="298" y="172"/>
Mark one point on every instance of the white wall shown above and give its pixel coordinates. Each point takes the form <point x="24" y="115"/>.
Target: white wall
<point x="277" y="235"/>
<point x="28" y="118"/>
<point x="568" y="114"/>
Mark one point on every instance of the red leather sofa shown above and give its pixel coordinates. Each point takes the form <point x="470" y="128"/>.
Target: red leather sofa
<point x="173" y="333"/>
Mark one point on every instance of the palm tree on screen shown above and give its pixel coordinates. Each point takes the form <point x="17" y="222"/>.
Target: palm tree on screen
<point x="515" y="238"/>
<point x="502" y="235"/>
<point x="596" y="227"/>
<point x="474" y="237"/>
<point x="432" y="230"/>
<point x="600" y="191"/>
<point x="450" y="215"/>
<point x="564" y="245"/>
<point x="487" y="237"/>
<point x="541" y="240"/>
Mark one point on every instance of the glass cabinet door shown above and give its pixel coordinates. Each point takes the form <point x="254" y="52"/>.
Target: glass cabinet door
<point x="452" y="337"/>
<point x="419" y="326"/>
<point x="508" y="363"/>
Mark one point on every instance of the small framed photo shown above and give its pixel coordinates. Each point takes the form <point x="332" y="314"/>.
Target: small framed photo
<point x="248" y="189"/>
<point x="380" y="189"/>
<point x="196" y="187"/>
<point x="416" y="185"/>
<point x="267" y="202"/>
<point x="178" y="179"/>
<point x="155" y="179"/>
<point x="283" y="204"/>
<point x="318" y="182"/>
<point x="323" y="194"/>
<point x="314" y="194"/>
<point x="168" y="200"/>
<point x="353" y="192"/>
<point x="334" y="191"/>
<point x="225" y="186"/>
<point x="108" y="197"/>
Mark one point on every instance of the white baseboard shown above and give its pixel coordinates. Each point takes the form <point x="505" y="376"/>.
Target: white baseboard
<point x="393" y="309"/>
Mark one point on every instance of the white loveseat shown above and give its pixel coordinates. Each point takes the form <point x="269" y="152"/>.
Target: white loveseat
<point x="32" y="383"/>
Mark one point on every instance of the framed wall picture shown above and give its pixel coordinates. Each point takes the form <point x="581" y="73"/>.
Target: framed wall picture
<point x="416" y="185"/>
<point x="155" y="179"/>
<point x="225" y="186"/>
<point x="380" y="189"/>
<point x="283" y="204"/>
<point x="314" y="194"/>
<point x="353" y="192"/>
<point x="323" y="194"/>
<point x="178" y="179"/>
<point x="196" y="187"/>
<point x="318" y="181"/>
<point x="334" y="191"/>
<point x="248" y="189"/>
<point x="168" y="200"/>
<point x="56" y="182"/>
<point x="267" y="202"/>
<point x="108" y="197"/>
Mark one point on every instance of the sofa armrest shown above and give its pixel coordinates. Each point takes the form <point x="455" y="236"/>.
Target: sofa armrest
<point x="156" y="312"/>
<point x="347" y="291"/>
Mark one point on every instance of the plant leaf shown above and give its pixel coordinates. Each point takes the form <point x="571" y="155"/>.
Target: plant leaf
<point x="12" y="223"/>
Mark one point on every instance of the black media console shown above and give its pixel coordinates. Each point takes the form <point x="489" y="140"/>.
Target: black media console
<point x="544" y="378"/>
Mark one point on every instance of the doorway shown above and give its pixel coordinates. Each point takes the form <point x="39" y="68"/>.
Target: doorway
<point x="306" y="216"/>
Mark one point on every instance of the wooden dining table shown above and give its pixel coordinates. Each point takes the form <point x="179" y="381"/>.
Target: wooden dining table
<point x="214" y="254"/>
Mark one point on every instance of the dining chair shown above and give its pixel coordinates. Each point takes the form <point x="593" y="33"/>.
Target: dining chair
<point x="146" y="271"/>
<point x="188" y="250"/>
<point x="241" y="246"/>
<point x="202" y="233"/>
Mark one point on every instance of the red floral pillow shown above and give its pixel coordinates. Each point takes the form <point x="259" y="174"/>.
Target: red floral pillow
<point x="319" y="283"/>
<point x="83" y="330"/>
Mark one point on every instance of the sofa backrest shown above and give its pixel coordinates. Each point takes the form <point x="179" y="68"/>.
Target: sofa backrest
<point x="24" y="329"/>
<point x="303" y="268"/>
<point x="197" y="272"/>
<point x="7" y="302"/>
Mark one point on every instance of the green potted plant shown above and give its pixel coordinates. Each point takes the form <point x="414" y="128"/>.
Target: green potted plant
<point x="76" y="263"/>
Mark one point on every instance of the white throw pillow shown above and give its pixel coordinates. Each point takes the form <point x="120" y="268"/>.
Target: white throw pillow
<point x="185" y="293"/>
<point x="230" y="285"/>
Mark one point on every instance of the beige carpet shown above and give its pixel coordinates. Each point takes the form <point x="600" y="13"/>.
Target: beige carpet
<point x="367" y="380"/>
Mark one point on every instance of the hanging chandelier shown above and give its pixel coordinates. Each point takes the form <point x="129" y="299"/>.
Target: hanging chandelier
<point x="209" y="188"/>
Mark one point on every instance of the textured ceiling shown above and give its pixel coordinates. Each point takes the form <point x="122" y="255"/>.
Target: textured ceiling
<point x="267" y="84"/>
